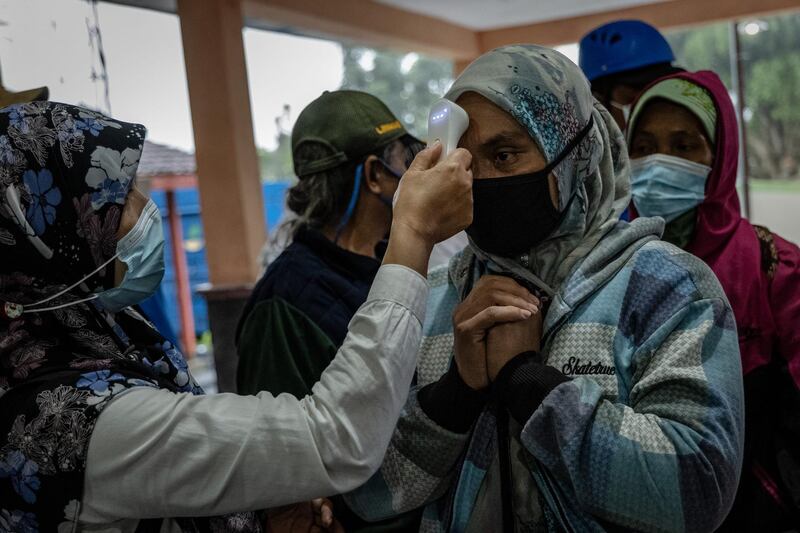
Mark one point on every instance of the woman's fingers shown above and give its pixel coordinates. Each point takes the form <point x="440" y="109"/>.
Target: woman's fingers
<point x="427" y="158"/>
<point x="327" y="513"/>
<point x="496" y="314"/>
<point x="505" y="299"/>
<point x="492" y="283"/>
<point x="323" y="512"/>
<point x="496" y="294"/>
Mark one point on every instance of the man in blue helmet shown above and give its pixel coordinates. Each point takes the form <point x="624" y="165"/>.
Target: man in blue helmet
<point x="620" y="59"/>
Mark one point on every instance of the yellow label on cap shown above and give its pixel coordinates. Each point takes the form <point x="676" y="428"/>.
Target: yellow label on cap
<point x="389" y="126"/>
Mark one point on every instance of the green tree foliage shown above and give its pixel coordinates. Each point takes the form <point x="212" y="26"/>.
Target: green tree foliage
<point x="409" y="84"/>
<point x="771" y="70"/>
<point x="276" y="165"/>
<point x="704" y="48"/>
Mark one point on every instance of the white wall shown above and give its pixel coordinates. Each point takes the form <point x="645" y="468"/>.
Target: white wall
<point x="777" y="210"/>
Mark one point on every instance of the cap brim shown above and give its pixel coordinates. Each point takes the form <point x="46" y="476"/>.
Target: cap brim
<point x="339" y="158"/>
<point x="408" y="138"/>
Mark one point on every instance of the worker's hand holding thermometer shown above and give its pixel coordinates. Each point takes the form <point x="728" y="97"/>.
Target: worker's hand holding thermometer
<point x="447" y="122"/>
<point x="434" y="199"/>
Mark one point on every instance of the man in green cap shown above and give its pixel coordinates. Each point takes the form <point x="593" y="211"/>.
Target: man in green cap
<point x="349" y="153"/>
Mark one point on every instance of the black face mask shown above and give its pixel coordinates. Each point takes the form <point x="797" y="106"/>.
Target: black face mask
<point x="513" y="214"/>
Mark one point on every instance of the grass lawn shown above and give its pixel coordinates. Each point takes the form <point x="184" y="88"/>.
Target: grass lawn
<point x="791" y="186"/>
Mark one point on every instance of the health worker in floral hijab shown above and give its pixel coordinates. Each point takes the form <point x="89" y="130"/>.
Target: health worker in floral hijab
<point x="100" y="421"/>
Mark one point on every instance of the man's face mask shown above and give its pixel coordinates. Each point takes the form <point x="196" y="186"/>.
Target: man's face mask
<point x="625" y="109"/>
<point x="351" y="206"/>
<point x="513" y="214"/>
<point x="666" y="186"/>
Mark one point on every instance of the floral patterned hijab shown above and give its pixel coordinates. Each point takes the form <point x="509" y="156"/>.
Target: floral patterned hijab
<point x="550" y="97"/>
<point x="65" y="173"/>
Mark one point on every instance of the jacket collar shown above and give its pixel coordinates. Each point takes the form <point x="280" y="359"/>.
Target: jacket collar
<point x="349" y="263"/>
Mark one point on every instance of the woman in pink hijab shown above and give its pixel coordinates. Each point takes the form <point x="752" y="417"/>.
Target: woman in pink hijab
<point x="684" y="145"/>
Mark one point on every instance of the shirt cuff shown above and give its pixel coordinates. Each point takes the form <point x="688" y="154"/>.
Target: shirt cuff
<point x="524" y="383"/>
<point x="451" y="403"/>
<point x="403" y="286"/>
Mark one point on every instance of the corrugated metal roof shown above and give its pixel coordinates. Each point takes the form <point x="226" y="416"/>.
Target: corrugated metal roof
<point x="161" y="160"/>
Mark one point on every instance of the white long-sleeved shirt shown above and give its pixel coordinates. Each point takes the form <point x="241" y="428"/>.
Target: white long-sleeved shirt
<point x="154" y="453"/>
<point x="446" y="249"/>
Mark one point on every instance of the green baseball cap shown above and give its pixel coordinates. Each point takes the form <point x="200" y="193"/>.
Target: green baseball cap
<point x="351" y="124"/>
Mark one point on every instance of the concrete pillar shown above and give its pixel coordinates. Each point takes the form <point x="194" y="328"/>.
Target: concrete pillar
<point x="227" y="164"/>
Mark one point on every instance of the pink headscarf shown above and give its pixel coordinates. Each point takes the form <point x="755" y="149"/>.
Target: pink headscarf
<point x="728" y="243"/>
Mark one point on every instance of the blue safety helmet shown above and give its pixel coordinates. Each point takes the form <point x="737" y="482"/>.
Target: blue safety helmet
<point x="621" y="46"/>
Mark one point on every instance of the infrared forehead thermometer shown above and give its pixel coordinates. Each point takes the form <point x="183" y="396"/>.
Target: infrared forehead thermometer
<point x="447" y="122"/>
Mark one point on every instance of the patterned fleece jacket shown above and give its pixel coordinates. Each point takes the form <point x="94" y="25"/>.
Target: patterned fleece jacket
<point x="646" y="434"/>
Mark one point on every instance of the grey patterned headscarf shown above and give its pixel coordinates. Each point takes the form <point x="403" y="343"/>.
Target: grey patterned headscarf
<point x="551" y="99"/>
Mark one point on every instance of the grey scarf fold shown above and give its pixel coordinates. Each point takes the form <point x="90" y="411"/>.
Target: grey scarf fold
<point x="551" y="99"/>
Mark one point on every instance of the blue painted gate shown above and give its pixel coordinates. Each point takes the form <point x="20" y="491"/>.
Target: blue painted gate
<point x="193" y="243"/>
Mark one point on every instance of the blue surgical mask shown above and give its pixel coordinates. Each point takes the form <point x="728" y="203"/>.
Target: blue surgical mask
<point x="142" y="251"/>
<point x="666" y="186"/>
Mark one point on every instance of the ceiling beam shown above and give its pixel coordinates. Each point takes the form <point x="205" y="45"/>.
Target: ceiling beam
<point x="364" y="21"/>
<point x="165" y="6"/>
<point x="670" y="14"/>
<point x="374" y="24"/>
<point x="361" y="21"/>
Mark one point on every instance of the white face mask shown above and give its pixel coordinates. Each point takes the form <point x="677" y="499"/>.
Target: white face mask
<point x="666" y="186"/>
<point x="624" y="108"/>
